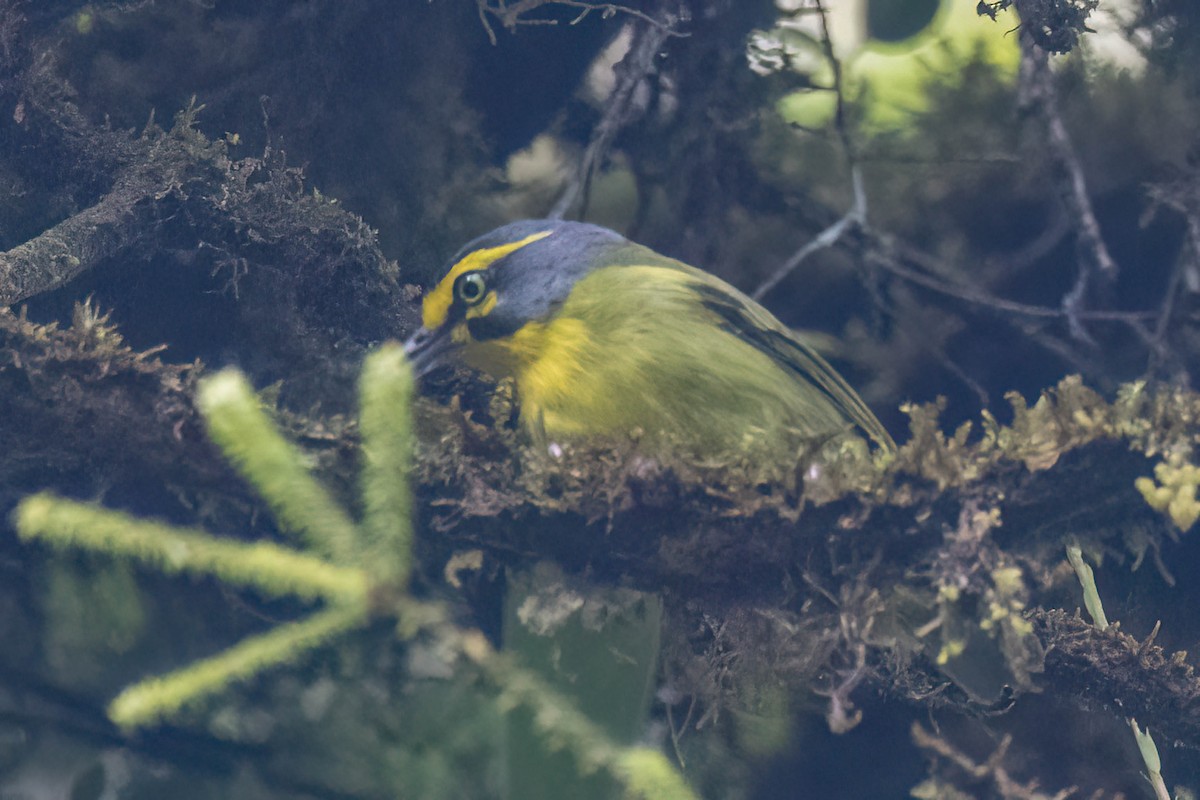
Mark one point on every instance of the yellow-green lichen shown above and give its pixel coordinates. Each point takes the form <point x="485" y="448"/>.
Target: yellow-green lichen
<point x="1006" y="602"/>
<point x="951" y="648"/>
<point x="1172" y="490"/>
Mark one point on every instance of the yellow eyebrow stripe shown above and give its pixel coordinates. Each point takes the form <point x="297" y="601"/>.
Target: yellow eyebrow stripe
<point x="436" y="305"/>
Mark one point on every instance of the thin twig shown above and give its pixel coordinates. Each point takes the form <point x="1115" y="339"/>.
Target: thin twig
<point x="621" y="108"/>
<point x="512" y="16"/>
<point x="1096" y="261"/>
<point x="856" y="217"/>
<point x="1078" y="362"/>
<point x="1032" y="253"/>
<point x="835" y="64"/>
<point x="955" y="369"/>
<point x="893" y="252"/>
<point x="992" y="769"/>
<point x="1188" y="261"/>
<point x="678" y="730"/>
<point x="919" y="268"/>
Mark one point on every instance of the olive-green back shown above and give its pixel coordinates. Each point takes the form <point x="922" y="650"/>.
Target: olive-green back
<point x="673" y="349"/>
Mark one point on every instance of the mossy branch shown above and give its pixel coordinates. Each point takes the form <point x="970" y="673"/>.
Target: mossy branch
<point x="275" y="467"/>
<point x="1091" y="599"/>
<point x="155" y="700"/>
<point x="273" y="570"/>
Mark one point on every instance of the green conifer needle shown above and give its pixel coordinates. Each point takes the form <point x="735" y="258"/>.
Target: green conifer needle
<point x="275" y="467"/>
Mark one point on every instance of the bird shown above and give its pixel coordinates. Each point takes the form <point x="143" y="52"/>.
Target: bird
<point x="605" y="337"/>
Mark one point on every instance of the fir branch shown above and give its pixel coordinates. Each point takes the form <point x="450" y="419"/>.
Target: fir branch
<point x="273" y="570"/>
<point x="644" y="773"/>
<point x="275" y="467"/>
<point x="155" y="700"/>
<point x="385" y="397"/>
<point x="382" y="545"/>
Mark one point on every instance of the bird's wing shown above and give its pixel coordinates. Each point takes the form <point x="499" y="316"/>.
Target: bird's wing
<point x="752" y="323"/>
<point x="755" y="325"/>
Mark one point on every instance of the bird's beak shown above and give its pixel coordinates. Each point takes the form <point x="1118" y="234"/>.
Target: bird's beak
<point x="428" y="349"/>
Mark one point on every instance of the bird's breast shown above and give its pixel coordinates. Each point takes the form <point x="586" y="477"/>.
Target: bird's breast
<point x="549" y="360"/>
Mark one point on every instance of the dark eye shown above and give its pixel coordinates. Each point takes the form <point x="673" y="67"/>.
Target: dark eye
<point x="471" y="288"/>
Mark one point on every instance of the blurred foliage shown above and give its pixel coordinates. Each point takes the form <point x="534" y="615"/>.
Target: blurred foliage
<point x="360" y="571"/>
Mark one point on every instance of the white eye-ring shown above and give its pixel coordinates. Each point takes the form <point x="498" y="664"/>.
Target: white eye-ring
<point x="471" y="288"/>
